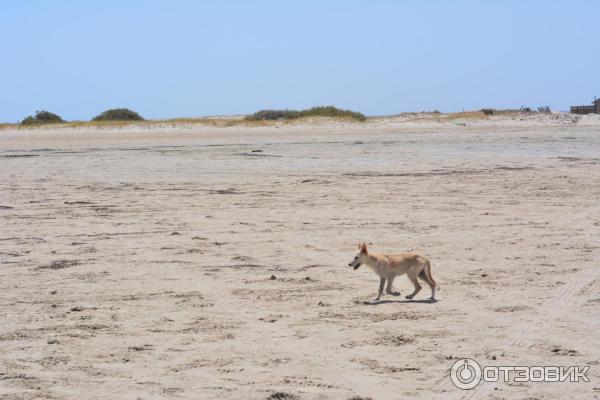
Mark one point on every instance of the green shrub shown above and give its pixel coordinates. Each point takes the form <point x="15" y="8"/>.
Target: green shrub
<point x="29" y="121"/>
<point x="331" y="111"/>
<point x="42" y="117"/>
<point x="328" y="111"/>
<point x="118" y="114"/>
<point x="271" y="115"/>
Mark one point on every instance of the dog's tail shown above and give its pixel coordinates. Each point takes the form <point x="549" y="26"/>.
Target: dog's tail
<point x="425" y="274"/>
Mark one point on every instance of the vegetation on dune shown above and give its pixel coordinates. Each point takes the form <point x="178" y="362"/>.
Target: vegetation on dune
<point x="42" y="117"/>
<point x="328" y="111"/>
<point x="118" y="114"/>
<point x="331" y="111"/>
<point x="270" y="115"/>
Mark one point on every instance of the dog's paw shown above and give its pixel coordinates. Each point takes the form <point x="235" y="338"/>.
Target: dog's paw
<point x="394" y="293"/>
<point x="409" y="297"/>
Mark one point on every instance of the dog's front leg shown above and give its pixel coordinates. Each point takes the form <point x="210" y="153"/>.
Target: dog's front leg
<point x="381" y="285"/>
<point x="388" y="288"/>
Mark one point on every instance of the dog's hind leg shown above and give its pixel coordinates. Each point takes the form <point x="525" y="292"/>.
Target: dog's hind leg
<point x="388" y="288"/>
<point x="424" y="278"/>
<point x="412" y="275"/>
<point x="425" y="274"/>
<point x="381" y="285"/>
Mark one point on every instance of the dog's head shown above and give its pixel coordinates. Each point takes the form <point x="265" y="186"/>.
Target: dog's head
<point x="359" y="258"/>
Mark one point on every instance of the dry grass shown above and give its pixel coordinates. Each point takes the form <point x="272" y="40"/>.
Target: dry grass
<point x="472" y="115"/>
<point x="119" y="124"/>
<point x="8" y="126"/>
<point x="465" y="115"/>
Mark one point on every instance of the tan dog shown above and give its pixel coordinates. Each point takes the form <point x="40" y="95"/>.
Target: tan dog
<point x="388" y="266"/>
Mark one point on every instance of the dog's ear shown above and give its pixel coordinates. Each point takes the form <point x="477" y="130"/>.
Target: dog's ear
<point x="359" y="245"/>
<point x="363" y="248"/>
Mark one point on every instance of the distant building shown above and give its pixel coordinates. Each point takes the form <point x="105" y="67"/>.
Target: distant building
<point x="593" y="109"/>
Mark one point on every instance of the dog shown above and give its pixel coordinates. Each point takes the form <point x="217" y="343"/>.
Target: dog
<point x="389" y="266"/>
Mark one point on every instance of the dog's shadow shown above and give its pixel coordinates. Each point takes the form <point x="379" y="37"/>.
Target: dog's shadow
<point x="377" y="302"/>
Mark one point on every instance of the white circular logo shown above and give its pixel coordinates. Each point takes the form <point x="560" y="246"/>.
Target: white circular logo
<point x="465" y="374"/>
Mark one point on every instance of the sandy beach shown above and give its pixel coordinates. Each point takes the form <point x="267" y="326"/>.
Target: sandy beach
<point x="192" y="261"/>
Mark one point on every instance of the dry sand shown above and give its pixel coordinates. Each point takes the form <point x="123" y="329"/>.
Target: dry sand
<point x="193" y="262"/>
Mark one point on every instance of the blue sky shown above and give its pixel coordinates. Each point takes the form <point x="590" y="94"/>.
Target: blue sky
<point x="190" y="58"/>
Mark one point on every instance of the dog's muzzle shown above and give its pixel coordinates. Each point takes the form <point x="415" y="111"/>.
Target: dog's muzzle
<point x="355" y="267"/>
